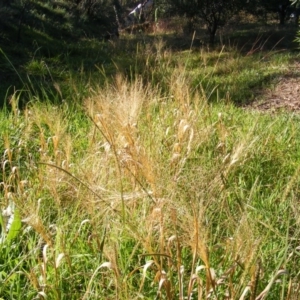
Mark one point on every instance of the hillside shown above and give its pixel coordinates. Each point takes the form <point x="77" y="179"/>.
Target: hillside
<point x="153" y="166"/>
<point x="37" y="36"/>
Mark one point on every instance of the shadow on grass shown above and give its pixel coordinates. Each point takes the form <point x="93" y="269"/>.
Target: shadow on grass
<point x="64" y="66"/>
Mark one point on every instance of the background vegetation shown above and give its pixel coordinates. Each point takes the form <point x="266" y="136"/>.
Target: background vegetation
<point x="135" y="168"/>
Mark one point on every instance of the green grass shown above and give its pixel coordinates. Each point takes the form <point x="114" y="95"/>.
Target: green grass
<point x="139" y="176"/>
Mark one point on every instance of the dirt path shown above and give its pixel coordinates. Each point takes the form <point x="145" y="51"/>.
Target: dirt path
<point x="285" y="94"/>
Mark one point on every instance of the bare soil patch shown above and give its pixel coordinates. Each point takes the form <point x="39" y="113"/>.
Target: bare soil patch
<point x="284" y="94"/>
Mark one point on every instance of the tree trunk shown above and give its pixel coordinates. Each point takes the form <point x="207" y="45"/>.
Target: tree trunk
<point x="20" y="23"/>
<point x="282" y="14"/>
<point x="297" y="11"/>
<point x="212" y="29"/>
<point x="281" y="18"/>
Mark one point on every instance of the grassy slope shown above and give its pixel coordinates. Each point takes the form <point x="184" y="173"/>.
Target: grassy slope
<point x="169" y="181"/>
<point x="48" y="45"/>
<point x="153" y="183"/>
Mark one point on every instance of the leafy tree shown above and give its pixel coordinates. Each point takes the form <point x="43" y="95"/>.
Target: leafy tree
<point x="215" y="13"/>
<point x="283" y="8"/>
<point x="278" y="6"/>
<point x="81" y="17"/>
<point x="296" y="3"/>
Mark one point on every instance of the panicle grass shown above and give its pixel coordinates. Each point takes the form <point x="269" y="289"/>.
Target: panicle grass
<point x="166" y="195"/>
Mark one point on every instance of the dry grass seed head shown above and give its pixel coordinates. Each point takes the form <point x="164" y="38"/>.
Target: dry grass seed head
<point x="180" y="90"/>
<point x="117" y="115"/>
<point x="52" y="129"/>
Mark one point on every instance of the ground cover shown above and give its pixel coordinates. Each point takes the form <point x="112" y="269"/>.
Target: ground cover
<point x="147" y="175"/>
